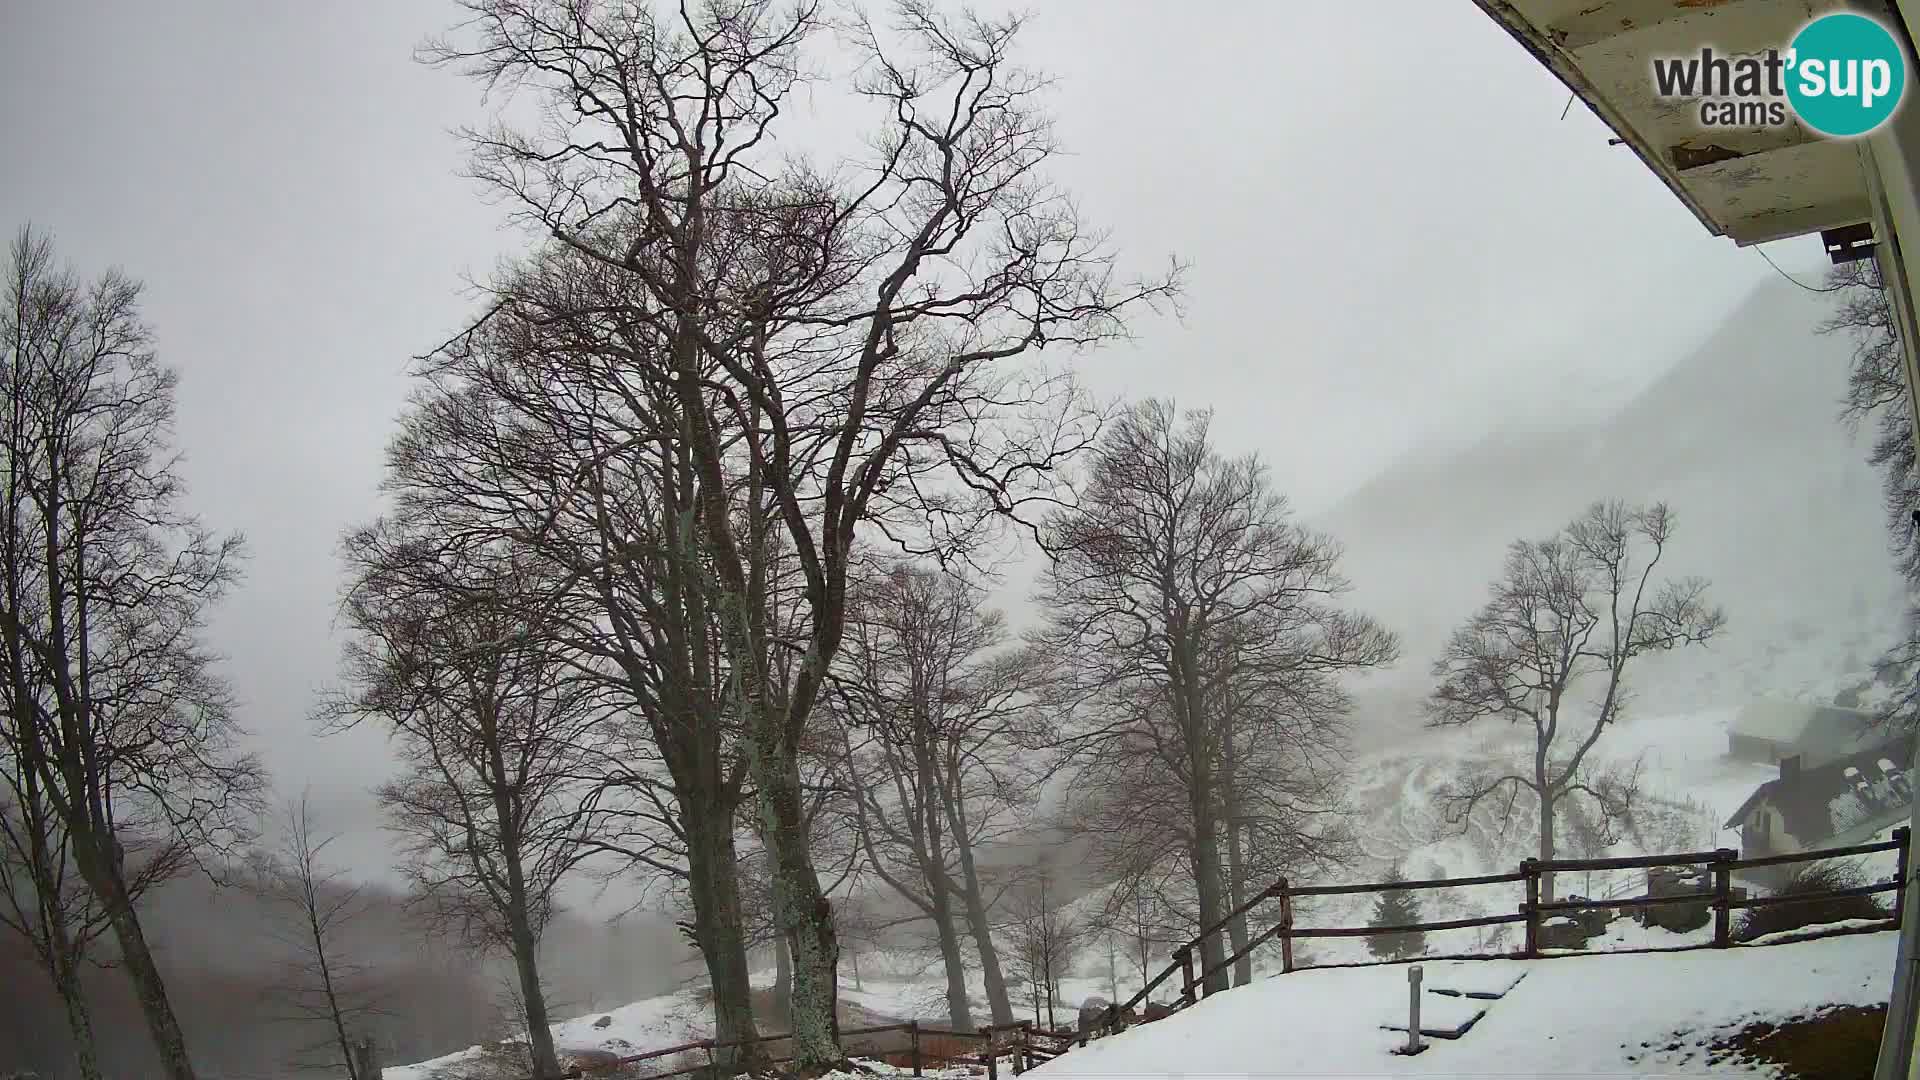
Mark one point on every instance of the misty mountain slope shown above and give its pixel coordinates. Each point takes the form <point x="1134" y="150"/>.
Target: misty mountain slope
<point x="1774" y="498"/>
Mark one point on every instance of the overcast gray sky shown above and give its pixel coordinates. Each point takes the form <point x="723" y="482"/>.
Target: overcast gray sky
<point x="1395" y="238"/>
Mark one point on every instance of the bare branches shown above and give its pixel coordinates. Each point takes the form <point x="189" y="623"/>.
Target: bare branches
<point x="1568" y="614"/>
<point x="115" y="731"/>
<point x="1198" y="639"/>
<point x="456" y="660"/>
<point x="322" y="986"/>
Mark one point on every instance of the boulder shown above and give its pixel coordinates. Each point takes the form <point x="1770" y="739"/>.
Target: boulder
<point x="1593" y="921"/>
<point x="1563" y="932"/>
<point x="1677" y="881"/>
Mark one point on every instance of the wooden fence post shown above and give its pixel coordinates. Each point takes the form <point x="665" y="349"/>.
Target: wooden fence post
<point x="913" y="1033"/>
<point x="1900" y="894"/>
<point x="1531" y="909"/>
<point x="993" y="1062"/>
<point x="1286" y="926"/>
<point x="1186" y="975"/>
<point x="1723" y="897"/>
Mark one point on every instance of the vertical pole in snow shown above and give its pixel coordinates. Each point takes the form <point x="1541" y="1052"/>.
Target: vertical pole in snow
<point x="1413" y="1009"/>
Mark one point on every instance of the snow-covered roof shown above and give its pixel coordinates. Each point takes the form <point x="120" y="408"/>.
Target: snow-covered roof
<point x="1804" y="725"/>
<point x="1826" y="801"/>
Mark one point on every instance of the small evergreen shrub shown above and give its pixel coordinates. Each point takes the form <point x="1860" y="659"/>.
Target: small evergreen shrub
<point x="1396" y="907"/>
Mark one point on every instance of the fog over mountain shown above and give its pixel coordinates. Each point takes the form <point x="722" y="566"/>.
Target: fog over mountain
<point x="1775" y="501"/>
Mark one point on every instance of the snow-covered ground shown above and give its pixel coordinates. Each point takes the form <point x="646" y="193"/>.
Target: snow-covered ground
<point x="1574" y="1016"/>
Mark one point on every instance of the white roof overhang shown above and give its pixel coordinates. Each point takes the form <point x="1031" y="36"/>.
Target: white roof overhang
<point x="1749" y="184"/>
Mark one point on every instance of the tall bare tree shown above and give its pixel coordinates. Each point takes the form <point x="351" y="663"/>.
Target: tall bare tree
<point x="843" y="336"/>
<point x="1196" y="620"/>
<point x="943" y="727"/>
<point x="490" y="727"/>
<point x="1566" y="617"/>
<point x="324" y="985"/>
<point x="533" y="433"/>
<point x="117" y="727"/>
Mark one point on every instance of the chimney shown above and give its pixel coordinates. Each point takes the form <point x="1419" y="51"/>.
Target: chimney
<point x="1790" y="767"/>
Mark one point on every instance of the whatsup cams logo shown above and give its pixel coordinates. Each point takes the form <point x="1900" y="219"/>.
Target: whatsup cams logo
<point x="1842" y="75"/>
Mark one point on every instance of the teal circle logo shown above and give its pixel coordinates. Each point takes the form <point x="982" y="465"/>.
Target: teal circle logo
<point x="1846" y="74"/>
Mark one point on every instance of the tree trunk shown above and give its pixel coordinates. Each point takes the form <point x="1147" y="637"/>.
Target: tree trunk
<point x="521" y="937"/>
<point x="959" y="1011"/>
<point x="974" y="901"/>
<point x="57" y="938"/>
<point x="801" y="912"/>
<point x="319" y="939"/>
<point x="1236" y="864"/>
<point x="1052" y="990"/>
<point x="783" y="980"/>
<point x="715" y="890"/>
<point x="103" y="877"/>
<point x="546" y="1062"/>
<point x="1237" y="894"/>
<point x="1546" y="807"/>
<point x="1209" y="884"/>
<point x="940" y="886"/>
<point x="73" y="996"/>
<point x="1189" y="704"/>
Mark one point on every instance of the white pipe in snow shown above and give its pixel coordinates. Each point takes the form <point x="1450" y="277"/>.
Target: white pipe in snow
<point x="1413" y="1009"/>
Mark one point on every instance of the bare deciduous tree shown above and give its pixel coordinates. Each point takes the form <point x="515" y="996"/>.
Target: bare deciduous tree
<point x="941" y="754"/>
<point x="490" y="727"/>
<point x="1046" y="938"/>
<point x="324" y="985"/>
<point x="117" y="728"/>
<point x="532" y="432"/>
<point x="1568" y="613"/>
<point x="841" y="336"/>
<point x="1199" y="627"/>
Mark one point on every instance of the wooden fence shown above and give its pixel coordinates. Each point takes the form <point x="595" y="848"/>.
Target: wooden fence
<point x="1026" y="1044"/>
<point x="1722" y="863"/>
<point x="1022" y="1044"/>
